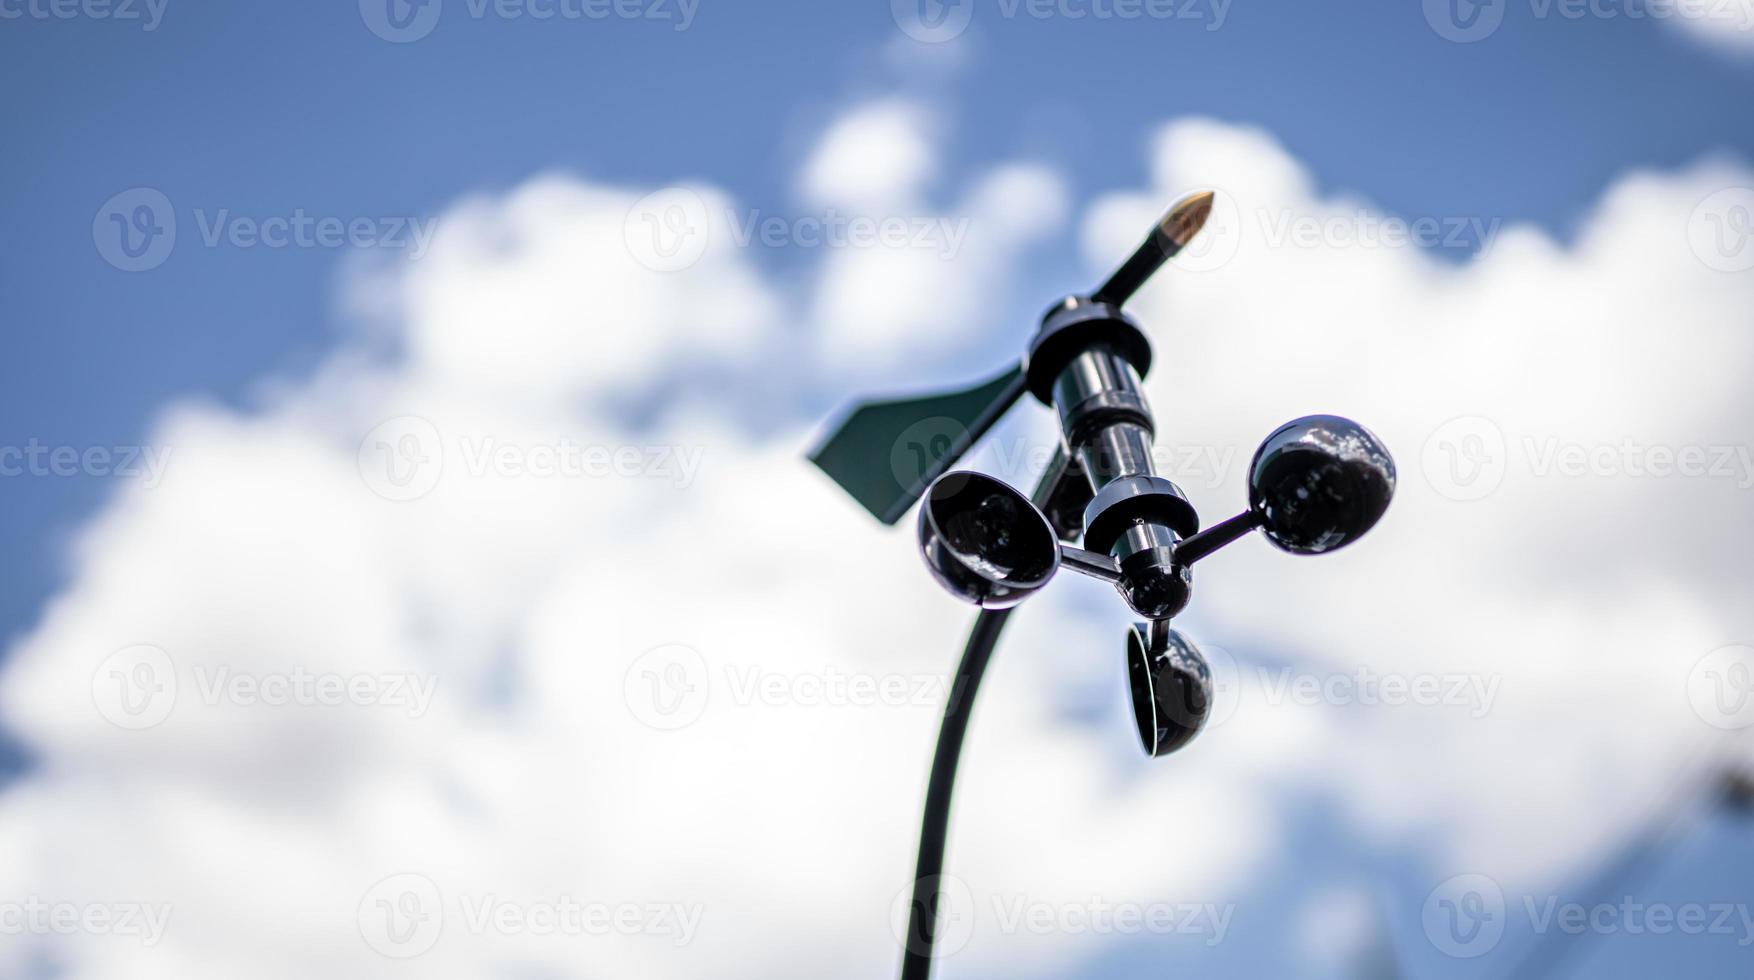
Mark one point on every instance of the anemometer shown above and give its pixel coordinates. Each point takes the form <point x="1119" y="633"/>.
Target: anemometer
<point x="1315" y="484"/>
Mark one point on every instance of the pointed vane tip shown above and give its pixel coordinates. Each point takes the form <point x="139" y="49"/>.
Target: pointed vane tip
<point x="1172" y="234"/>
<point x="1185" y="220"/>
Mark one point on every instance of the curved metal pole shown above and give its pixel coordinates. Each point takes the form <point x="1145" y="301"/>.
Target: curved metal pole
<point x="922" y="918"/>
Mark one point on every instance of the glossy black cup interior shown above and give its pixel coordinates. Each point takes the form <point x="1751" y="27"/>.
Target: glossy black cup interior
<point x="984" y="541"/>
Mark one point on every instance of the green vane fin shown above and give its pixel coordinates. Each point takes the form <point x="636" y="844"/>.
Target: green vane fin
<point x="885" y="454"/>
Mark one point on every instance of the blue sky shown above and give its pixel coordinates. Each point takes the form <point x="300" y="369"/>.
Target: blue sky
<point x="270" y="109"/>
<point x="264" y="108"/>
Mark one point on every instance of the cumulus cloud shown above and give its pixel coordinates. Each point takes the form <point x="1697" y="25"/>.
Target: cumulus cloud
<point x="1580" y="587"/>
<point x="876" y="307"/>
<point x="1724" y="24"/>
<point x="876" y="155"/>
<point x="700" y="699"/>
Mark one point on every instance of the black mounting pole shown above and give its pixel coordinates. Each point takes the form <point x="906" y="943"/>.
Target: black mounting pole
<point x="922" y="916"/>
<point x="1062" y="492"/>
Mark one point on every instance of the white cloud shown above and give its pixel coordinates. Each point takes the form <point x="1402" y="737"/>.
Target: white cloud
<point x="1724" y="24"/>
<point x="883" y="306"/>
<point x="1585" y="595"/>
<point x="876" y="156"/>
<point x="789" y="824"/>
<point x="516" y="303"/>
<point x="876" y="307"/>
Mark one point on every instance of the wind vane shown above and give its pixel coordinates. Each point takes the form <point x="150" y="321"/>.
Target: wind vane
<point x="1315" y="484"/>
